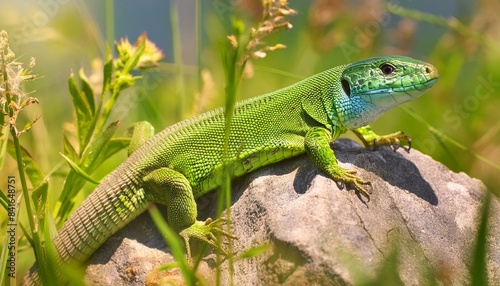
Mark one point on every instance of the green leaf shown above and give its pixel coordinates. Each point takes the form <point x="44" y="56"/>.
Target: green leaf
<point x="96" y="147"/>
<point x="82" y="110"/>
<point x="27" y="235"/>
<point x="114" y="146"/>
<point x="39" y="198"/>
<point x="31" y="168"/>
<point x="107" y="76"/>
<point x="69" y="150"/>
<point x="91" y="158"/>
<point x="72" y="185"/>
<point x="87" y="91"/>
<point x="29" y="124"/>
<point x="79" y="170"/>
<point x="4" y="136"/>
<point x="255" y="251"/>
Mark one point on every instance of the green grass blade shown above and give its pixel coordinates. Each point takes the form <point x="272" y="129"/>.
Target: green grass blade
<point x="478" y="270"/>
<point x="72" y="185"/>
<point x="255" y="251"/>
<point x="272" y="70"/>
<point x="175" y="244"/>
<point x="110" y="21"/>
<point x="69" y="150"/>
<point x="71" y="274"/>
<point x="4" y="200"/>
<point x="450" y="23"/>
<point x="462" y="147"/>
<point x="4" y="137"/>
<point x="35" y="174"/>
<point x="79" y="170"/>
<point x="3" y="258"/>
<point x="446" y="138"/>
<point x="177" y="46"/>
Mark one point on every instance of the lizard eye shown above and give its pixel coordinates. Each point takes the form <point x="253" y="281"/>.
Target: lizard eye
<point x="387" y="69"/>
<point x="346" y="87"/>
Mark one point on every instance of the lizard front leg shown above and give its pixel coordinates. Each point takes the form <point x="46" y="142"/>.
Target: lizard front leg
<point x="171" y="188"/>
<point x="317" y="146"/>
<point x="372" y="140"/>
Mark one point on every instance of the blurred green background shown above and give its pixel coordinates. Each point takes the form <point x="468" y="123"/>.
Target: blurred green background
<point x="455" y="123"/>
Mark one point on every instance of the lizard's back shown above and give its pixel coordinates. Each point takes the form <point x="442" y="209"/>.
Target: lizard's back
<point x="264" y="130"/>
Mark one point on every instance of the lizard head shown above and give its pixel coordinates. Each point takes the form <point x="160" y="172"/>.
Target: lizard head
<point x="371" y="87"/>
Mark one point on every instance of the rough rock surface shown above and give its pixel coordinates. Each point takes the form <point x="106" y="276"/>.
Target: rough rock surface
<point x="421" y="220"/>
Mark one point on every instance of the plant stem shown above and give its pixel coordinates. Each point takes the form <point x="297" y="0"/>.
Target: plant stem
<point x="110" y="22"/>
<point x="36" y="238"/>
<point x="198" y="44"/>
<point x="177" y="46"/>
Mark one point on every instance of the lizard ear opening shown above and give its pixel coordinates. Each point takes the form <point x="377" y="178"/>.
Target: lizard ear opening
<point x="346" y="87"/>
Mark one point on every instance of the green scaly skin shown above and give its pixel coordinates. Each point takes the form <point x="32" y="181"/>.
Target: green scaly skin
<point x="184" y="161"/>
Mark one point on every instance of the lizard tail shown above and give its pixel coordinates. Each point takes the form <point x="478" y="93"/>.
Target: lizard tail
<point x="109" y="208"/>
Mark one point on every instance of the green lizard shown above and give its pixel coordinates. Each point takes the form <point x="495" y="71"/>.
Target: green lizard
<point x="185" y="160"/>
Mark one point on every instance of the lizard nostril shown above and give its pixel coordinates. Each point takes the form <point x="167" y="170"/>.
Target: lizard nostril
<point x="428" y="70"/>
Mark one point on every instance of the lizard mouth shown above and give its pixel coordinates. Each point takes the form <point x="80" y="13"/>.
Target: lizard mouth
<point x="414" y="90"/>
<point x="418" y="87"/>
<point x="424" y="81"/>
<point x="412" y="85"/>
<point x="405" y="90"/>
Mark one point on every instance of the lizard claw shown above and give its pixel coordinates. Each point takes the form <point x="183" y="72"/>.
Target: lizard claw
<point x="205" y="231"/>
<point x="393" y="140"/>
<point x="349" y="177"/>
<point x="373" y="140"/>
<point x="409" y="144"/>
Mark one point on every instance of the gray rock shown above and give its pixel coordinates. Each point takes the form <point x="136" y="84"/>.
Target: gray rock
<point x="420" y="225"/>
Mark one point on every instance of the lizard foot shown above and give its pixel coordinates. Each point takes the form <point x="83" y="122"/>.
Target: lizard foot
<point x="393" y="140"/>
<point x="349" y="177"/>
<point x="205" y="231"/>
<point x="372" y="140"/>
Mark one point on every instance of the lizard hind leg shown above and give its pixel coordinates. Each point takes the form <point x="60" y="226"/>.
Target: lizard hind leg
<point x="171" y="188"/>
